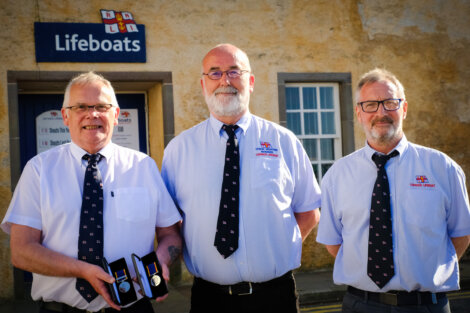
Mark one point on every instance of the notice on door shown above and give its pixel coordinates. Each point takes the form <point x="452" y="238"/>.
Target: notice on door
<point x="50" y="130"/>
<point x="126" y="133"/>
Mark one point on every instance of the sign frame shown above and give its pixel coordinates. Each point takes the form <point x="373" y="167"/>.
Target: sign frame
<point x="88" y="43"/>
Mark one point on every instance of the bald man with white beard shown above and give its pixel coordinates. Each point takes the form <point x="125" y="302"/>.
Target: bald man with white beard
<point x="272" y="204"/>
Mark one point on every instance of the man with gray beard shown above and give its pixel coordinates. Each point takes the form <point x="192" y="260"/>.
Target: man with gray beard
<point x="247" y="193"/>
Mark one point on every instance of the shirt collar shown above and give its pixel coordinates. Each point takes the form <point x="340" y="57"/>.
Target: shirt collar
<point x="78" y="152"/>
<point x="243" y="123"/>
<point x="400" y="147"/>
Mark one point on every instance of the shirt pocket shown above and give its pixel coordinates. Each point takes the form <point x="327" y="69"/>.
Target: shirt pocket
<point x="425" y="210"/>
<point x="270" y="172"/>
<point x="132" y="204"/>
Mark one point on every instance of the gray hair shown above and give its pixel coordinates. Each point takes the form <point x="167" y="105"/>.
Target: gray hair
<point x="85" y="79"/>
<point x="379" y="75"/>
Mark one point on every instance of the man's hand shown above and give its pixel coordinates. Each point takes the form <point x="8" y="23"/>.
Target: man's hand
<point x="166" y="277"/>
<point x="97" y="277"/>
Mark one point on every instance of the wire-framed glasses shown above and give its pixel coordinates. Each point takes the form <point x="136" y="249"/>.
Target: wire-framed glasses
<point x="82" y="108"/>
<point x="233" y="73"/>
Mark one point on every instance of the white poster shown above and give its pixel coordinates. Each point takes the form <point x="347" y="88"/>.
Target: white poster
<point x="50" y="130"/>
<point x="126" y="132"/>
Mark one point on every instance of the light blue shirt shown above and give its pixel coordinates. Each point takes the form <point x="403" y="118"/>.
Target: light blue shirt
<point x="429" y="205"/>
<point x="276" y="180"/>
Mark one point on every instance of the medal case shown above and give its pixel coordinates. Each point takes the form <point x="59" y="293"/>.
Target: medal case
<point x="122" y="290"/>
<point x="149" y="275"/>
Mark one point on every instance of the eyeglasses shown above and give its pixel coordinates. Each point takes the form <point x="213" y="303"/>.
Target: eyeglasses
<point x="388" y="104"/>
<point x="82" y="108"/>
<point x="216" y="75"/>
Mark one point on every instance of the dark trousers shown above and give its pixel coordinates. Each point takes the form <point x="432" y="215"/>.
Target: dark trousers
<point x="142" y="306"/>
<point x="355" y="304"/>
<point x="278" y="297"/>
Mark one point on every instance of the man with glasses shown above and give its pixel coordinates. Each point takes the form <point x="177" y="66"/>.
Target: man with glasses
<point x="247" y="193"/>
<point x="394" y="214"/>
<point x="78" y="203"/>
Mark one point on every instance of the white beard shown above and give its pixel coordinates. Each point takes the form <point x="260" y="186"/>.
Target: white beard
<point x="227" y="105"/>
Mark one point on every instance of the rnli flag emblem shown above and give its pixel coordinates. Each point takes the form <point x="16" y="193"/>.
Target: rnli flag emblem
<point x="118" y="22"/>
<point x="422" y="179"/>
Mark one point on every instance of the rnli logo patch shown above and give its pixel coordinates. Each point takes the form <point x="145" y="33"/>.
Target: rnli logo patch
<point x="266" y="149"/>
<point x="421" y="181"/>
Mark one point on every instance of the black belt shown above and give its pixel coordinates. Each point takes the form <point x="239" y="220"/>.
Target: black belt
<point x="398" y="297"/>
<point x="243" y="288"/>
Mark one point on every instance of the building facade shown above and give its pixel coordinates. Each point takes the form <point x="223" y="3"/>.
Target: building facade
<point x="306" y="55"/>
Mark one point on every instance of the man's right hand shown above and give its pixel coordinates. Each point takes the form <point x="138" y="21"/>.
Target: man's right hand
<point x="29" y="254"/>
<point x="97" y="277"/>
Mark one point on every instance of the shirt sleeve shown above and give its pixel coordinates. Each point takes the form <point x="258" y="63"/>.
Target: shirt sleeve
<point x="168" y="171"/>
<point x="458" y="215"/>
<point x="25" y="206"/>
<point x="329" y="228"/>
<point x="167" y="214"/>
<point x="307" y="195"/>
<point x="166" y="196"/>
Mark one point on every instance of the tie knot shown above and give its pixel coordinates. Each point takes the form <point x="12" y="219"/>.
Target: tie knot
<point x="92" y="158"/>
<point x="230" y="129"/>
<point x="381" y="159"/>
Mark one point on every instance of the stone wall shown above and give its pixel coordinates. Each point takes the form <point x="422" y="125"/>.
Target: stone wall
<point x="425" y="43"/>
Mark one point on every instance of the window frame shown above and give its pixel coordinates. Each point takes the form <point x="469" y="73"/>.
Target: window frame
<point x="318" y="161"/>
<point x="346" y="112"/>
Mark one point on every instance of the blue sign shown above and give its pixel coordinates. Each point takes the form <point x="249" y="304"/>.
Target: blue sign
<point x="81" y="42"/>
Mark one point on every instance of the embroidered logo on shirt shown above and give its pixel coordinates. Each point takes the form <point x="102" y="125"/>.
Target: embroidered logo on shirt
<point x="421" y="181"/>
<point x="266" y="149"/>
<point x="265" y="144"/>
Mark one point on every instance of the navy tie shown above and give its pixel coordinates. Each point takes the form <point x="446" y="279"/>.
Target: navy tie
<point x="226" y="236"/>
<point x="380" y="266"/>
<point x="90" y="239"/>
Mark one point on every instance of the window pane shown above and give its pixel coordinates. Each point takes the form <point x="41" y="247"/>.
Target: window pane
<point x="310" y="146"/>
<point x="327" y="149"/>
<point x="326" y="97"/>
<point x="324" y="168"/>
<point x="310" y="97"/>
<point x="292" y="98"/>
<point x="315" y="170"/>
<point x="328" y="123"/>
<point x="293" y="122"/>
<point x="311" y="123"/>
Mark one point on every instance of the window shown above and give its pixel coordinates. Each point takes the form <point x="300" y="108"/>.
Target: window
<point x="313" y="106"/>
<point x="313" y="115"/>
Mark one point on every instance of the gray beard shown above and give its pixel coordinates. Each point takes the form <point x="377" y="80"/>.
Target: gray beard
<point x="389" y="136"/>
<point x="226" y="105"/>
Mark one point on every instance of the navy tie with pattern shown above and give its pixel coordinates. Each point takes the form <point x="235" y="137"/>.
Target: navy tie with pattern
<point x="90" y="239"/>
<point x="226" y="236"/>
<point x="380" y="266"/>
